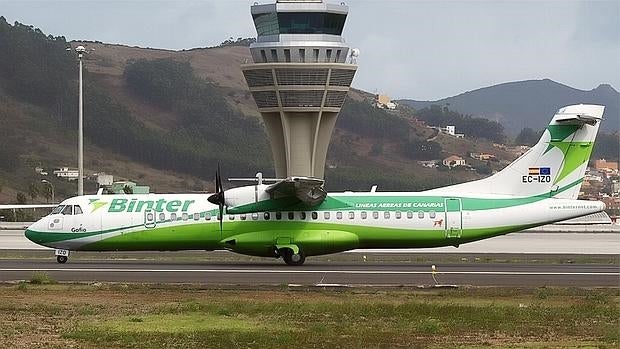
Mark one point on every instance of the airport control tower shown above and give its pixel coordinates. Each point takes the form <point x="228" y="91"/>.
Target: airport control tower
<point x="300" y="76"/>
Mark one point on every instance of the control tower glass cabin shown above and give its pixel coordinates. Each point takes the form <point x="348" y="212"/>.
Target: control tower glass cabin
<point x="301" y="72"/>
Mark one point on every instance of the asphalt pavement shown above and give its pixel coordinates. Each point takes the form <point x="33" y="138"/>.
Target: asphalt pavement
<point x="313" y="273"/>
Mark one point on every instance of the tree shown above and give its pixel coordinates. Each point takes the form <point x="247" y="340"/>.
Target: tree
<point x="470" y="126"/>
<point x="527" y="136"/>
<point x="21" y="198"/>
<point x="47" y="193"/>
<point x="33" y="191"/>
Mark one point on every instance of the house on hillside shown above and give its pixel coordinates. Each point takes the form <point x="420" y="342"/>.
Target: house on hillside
<point x="384" y="101"/>
<point x="482" y="156"/>
<point x="451" y="130"/>
<point x="429" y="163"/>
<point x="453" y="161"/>
<point x="606" y="166"/>
<point x="69" y="174"/>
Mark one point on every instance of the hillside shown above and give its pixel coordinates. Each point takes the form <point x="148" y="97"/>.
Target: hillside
<point x="167" y="118"/>
<point x="528" y="103"/>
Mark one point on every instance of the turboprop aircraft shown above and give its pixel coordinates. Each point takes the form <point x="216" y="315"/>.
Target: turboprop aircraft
<point x="294" y="217"/>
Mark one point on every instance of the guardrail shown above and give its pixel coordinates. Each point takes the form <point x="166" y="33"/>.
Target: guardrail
<point x="14" y="225"/>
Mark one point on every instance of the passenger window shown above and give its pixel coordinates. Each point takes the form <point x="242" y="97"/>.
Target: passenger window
<point x="77" y="209"/>
<point x="185" y="216"/>
<point x="409" y="214"/>
<point x="208" y="216"/>
<point x="254" y="216"/>
<point x="173" y="216"/>
<point x="291" y="216"/>
<point x="375" y="215"/>
<point x="150" y="217"/>
<point x="162" y="217"/>
<point x="432" y="214"/>
<point x="364" y="215"/>
<point x="302" y="215"/>
<point x="231" y="217"/>
<point x="398" y="214"/>
<point x="351" y="215"/>
<point x="386" y="214"/>
<point x="267" y="216"/>
<point x="420" y="214"/>
<point x="196" y="216"/>
<point x="326" y="215"/>
<point x="338" y="215"/>
<point x="242" y="217"/>
<point x="315" y="215"/>
<point x="278" y="215"/>
<point x="67" y="210"/>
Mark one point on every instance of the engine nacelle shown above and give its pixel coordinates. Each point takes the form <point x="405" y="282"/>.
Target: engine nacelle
<point x="242" y="196"/>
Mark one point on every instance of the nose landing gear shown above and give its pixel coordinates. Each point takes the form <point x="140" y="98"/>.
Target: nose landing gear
<point x="62" y="256"/>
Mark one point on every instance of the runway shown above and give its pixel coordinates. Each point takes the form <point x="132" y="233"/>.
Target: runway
<point x="522" y="242"/>
<point x="316" y="273"/>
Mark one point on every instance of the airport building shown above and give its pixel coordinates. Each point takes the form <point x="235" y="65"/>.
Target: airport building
<point x="301" y="72"/>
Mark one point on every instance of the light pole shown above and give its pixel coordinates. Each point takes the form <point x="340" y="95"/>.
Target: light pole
<point x="80" y="51"/>
<point x="51" y="186"/>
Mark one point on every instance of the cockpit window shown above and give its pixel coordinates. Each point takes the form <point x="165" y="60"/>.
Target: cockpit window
<point x="68" y="210"/>
<point x="58" y="209"/>
<point x="77" y="209"/>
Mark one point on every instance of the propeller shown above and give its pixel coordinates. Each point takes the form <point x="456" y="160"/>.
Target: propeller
<point x="218" y="197"/>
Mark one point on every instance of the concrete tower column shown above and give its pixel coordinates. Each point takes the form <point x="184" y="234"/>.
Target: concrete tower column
<point x="301" y="73"/>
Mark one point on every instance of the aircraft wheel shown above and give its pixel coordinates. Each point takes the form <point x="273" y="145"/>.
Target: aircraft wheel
<point x="61" y="259"/>
<point x="291" y="258"/>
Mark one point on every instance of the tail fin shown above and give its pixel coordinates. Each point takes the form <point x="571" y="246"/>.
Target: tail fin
<point x="555" y="166"/>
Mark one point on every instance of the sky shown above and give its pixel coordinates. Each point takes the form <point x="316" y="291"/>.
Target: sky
<point x="424" y="50"/>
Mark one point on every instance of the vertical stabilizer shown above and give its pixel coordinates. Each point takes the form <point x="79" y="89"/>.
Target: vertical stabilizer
<point x="555" y="166"/>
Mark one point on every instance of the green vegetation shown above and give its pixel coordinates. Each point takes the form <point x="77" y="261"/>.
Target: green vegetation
<point x="470" y="126"/>
<point x="422" y="150"/>
<point x="35" y="67"/>
<point x="527" y="136"/>
<point x="124" y="316"/>
<point x="363" y="119"/>
<point x="41" y="278"/>
<point x="607" y="146"/>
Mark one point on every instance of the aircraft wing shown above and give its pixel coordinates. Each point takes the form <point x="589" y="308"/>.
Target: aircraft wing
<point x="308" y="190"/>
<point x="17" y="207"/>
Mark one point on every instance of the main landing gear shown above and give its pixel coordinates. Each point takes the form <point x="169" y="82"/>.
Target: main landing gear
<point x="292" y="258"/>
<point x="62" y="256"/>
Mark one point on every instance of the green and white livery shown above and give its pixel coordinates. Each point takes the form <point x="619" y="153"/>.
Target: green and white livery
<point x="294" y="218"/>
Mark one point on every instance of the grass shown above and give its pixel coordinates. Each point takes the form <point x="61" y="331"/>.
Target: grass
<point x="41" y="278"/>
<point x="159" y="316"/>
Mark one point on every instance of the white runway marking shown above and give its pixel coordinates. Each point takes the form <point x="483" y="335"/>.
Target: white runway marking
<point x="269" y="271"/>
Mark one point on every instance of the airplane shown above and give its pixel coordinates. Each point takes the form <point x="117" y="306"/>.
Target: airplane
<point x="294" y="218"/>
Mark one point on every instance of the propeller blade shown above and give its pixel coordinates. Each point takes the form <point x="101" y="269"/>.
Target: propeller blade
<point x="218" y="197"/>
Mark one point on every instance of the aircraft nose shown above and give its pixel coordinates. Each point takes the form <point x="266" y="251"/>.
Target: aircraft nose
<point x="29" y="235"/>
<point x="33" y="233"/>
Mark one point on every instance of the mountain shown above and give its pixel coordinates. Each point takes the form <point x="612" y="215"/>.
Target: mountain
<point x="528" y="103"/>
<point x="166" y="119"/>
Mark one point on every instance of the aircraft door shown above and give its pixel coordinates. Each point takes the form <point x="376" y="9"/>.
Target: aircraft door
<point x="150" y="219"/>
<point x="454" y="218"/>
